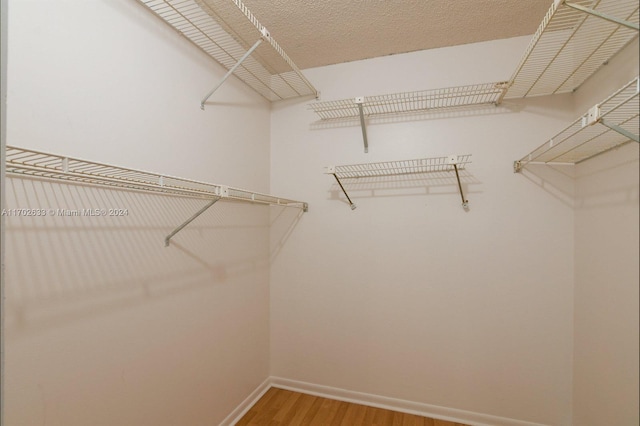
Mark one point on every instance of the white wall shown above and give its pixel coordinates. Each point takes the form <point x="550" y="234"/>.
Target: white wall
<point x="409" y="296"/>
<point x="104" y="325"/>
<point x="606" y="291"/>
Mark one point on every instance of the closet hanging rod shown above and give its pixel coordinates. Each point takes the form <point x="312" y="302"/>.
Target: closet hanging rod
<point x="21" y="162"/>
<point x="449" y="163"/>
<point x="607" y="125"/>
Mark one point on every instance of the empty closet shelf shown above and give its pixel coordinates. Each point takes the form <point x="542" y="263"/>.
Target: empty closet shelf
<point x="606" y="125"/>
<point x="227" y="31"/>
<point x="402" y="167"/>
<point x="450" y="163"/>
<point x="406" y="102"/>
<point x="574" y="39"/>
<point x="22" y="162"/>
<point x="26" y="162"/>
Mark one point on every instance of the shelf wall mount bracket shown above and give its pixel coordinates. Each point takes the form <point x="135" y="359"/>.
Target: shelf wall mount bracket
<point x="359" y="101"/>
<point x="597" y="131"/>
<point x="167" y="239"/>
<point x="594" y="116"/>
<point x="453" y="160"/>
<point x="332" y="171"/>
<point x="265" y="36"/>
<point x="604" y="16"/>
<point x="517" y="166"/>
<point x="620" y="130"/>
<point x="221" y="192"/>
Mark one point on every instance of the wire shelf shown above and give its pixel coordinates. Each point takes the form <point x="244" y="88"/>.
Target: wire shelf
<point x="570" y="45"/>
<point x="402" y="167"/>
<point x="397" y="103"/>
<point x="585" y="137"/>
<point x="225" y="29"/>
<point x="24" y="162"/>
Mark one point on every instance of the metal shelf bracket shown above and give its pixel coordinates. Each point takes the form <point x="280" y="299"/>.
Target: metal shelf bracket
<point x="188" y="221"/>
<point x="453" y="160"/>
<point x="517" y="166"/>
<point x="359" y="101"/>
<point x="222" y="191"/>
<point x="265" y="36"/>
<point x="597" y="131"/>
<point x="224" y="30"/>
<point x="594" y="116"/>
<point x="604" y="16"/>
<point x="332" y="171"/>
<point x="620" y="130"/>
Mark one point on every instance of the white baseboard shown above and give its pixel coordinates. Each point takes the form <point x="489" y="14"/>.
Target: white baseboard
<point x="246" y="405"/>
<point x="426" y="410"/>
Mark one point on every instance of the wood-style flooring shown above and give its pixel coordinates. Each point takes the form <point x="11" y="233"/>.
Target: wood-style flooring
<point x="283" y="407"/>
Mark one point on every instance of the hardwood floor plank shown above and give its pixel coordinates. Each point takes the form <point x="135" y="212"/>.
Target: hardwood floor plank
<point x="413" y="420"/>
<point x="437" y="422"/>
<point x="288" y="408"/>
<point x="279" y="407"/>
<point x="331" y="411"/>
<point x="354" y="415"/>
<point x="268" y="411"/>
<point x="313" y="410"/>
<point x="341" y="412"/>
<point x="299" y="410"/>
<point x="383" y="417"/>
<point x="246" y="418"/>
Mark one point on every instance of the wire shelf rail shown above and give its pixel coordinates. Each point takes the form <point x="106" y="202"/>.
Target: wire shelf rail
<point x="454" y="163"/>
<point x="227" y="31"/>
<point x="22" y="162"/>
<point x="409" y="102"/>
<point x="398" y="103"/>
<point x="609" y="124"/>
<point x="403" y="167"/>
<point x="574" y="39"/>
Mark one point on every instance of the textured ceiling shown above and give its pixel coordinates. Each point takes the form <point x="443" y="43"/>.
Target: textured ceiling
<point x="324" y="32"/>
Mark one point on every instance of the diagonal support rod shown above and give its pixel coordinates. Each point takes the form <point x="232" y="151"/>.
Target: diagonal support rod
<point x="188" y="221"/>
<point x="465" y="203"/>
<point x="362" y="124"/>
<point x="353" y="206"/>
<point x="603" y="16"/>
<point x="620" y="130"/>
<point x="228" y="74"/>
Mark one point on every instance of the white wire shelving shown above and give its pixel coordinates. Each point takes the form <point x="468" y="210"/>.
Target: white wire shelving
<point x="451" y="163"/>
<point x="22" y="162"/>
<point x="397" y="103"/>
<point x="408" y="102"/>
<point x="605" y="126"/>
<point x="574" y="39"/>
<point x="228" y="32"/>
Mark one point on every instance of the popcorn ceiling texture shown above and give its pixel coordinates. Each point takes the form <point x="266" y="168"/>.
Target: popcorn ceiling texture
<point x="318" y="33"/>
